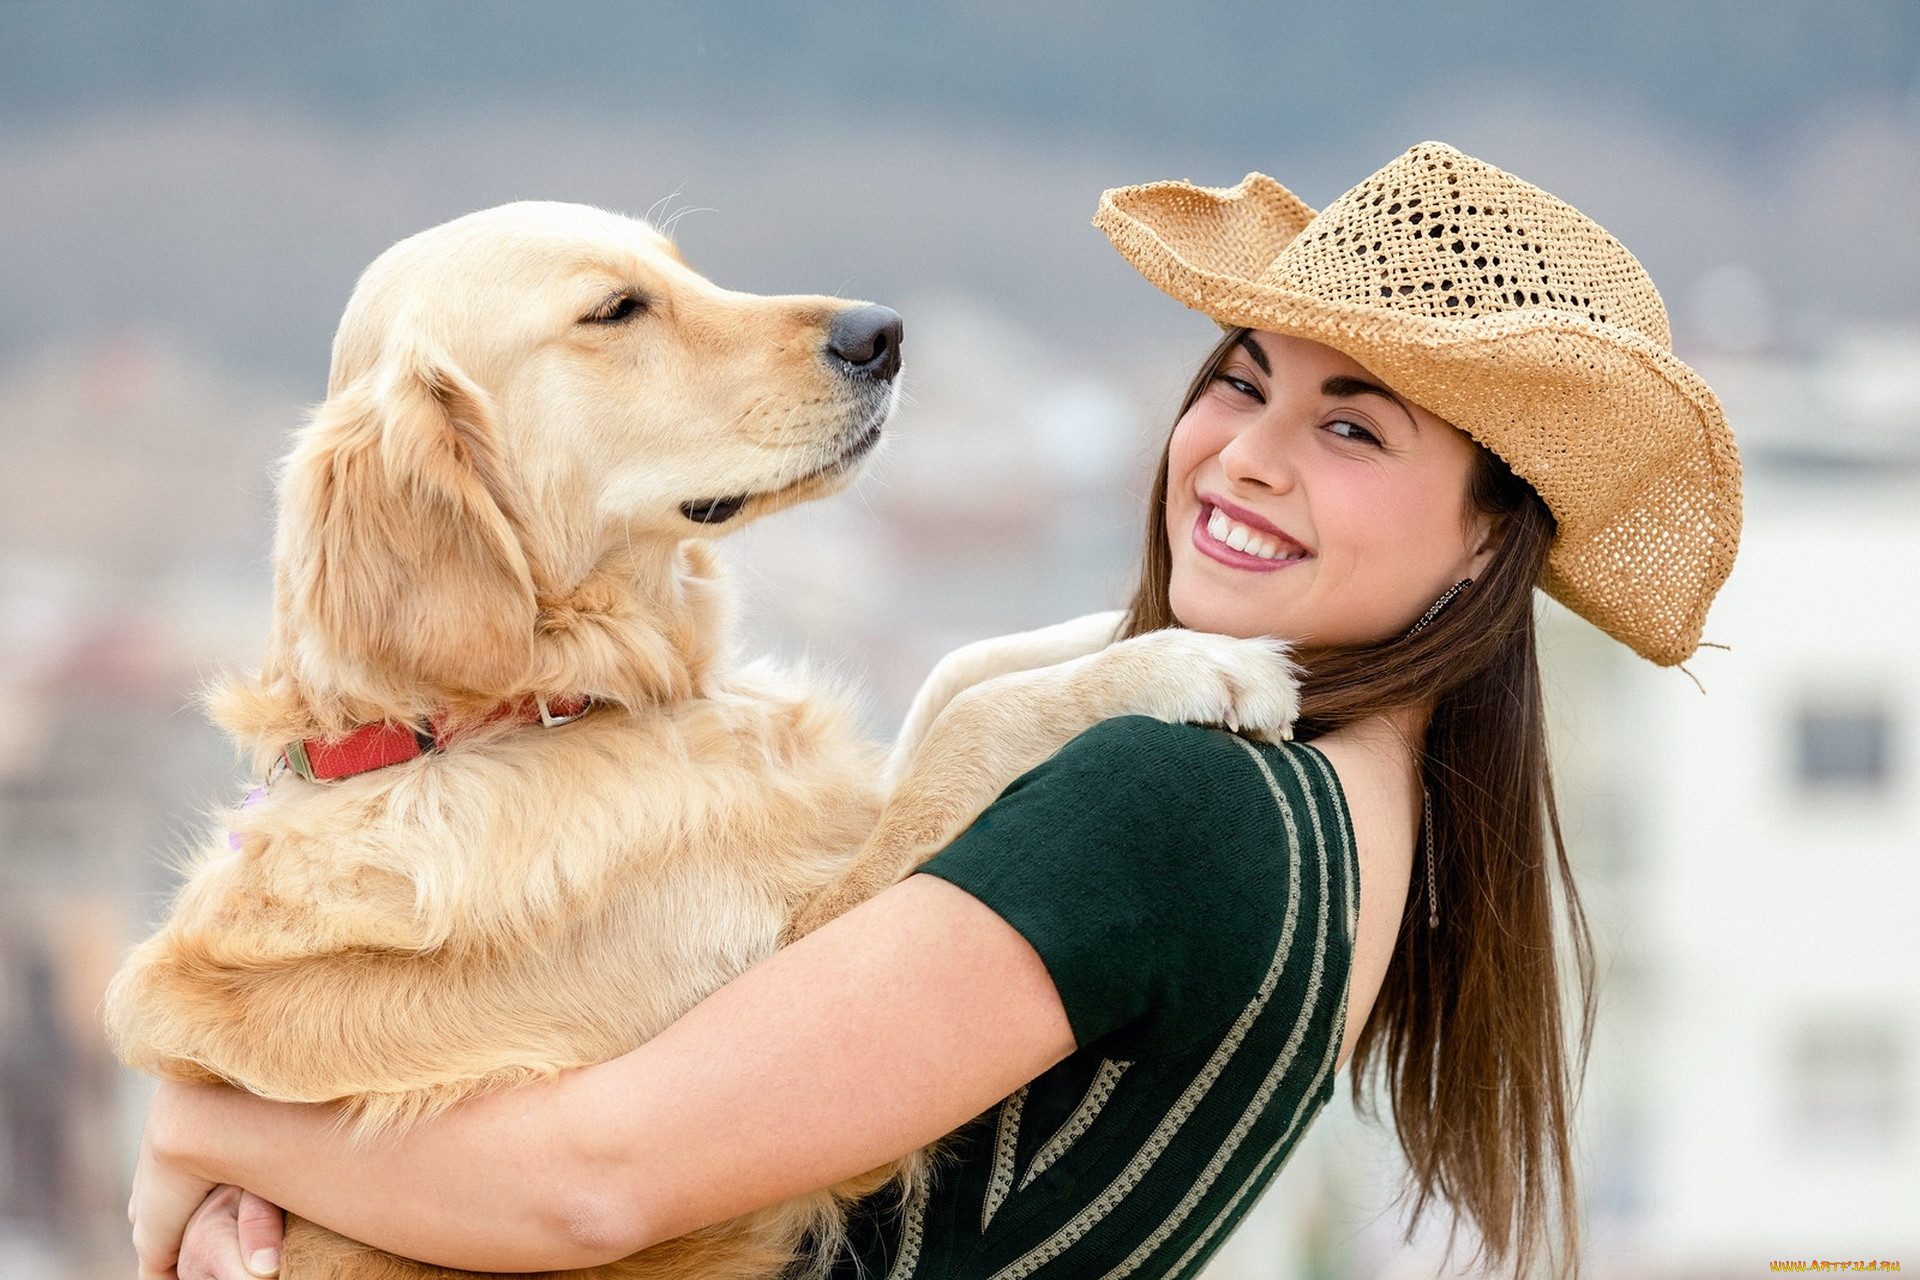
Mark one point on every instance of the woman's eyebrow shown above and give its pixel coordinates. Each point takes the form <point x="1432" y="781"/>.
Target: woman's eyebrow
<point x="1259" y="356"/>
<point x="1342" y="386"/>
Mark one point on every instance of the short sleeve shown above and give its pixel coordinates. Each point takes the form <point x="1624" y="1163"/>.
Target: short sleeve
<point x="1146" y="864"/>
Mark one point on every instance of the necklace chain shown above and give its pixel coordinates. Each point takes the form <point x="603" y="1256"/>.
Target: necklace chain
<point x="1426" y="845"/>
<point x="1426" y="812"/>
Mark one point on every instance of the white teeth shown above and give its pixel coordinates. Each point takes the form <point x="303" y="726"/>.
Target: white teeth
<point x="1222" y="528"/>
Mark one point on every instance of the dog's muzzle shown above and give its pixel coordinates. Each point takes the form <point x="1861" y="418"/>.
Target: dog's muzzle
<point x="864" y="344"/>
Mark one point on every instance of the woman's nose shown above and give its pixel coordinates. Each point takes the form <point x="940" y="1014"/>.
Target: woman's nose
<point x="1260" y="459"/>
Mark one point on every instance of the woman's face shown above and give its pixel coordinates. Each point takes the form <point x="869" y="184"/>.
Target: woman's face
<point x="1306" y="500"/>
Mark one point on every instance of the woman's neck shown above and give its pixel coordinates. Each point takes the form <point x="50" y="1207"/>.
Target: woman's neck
<point x="1398" y="734"/>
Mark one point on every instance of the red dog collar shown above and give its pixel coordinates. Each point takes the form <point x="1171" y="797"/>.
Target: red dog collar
<point x="375" y="746"/>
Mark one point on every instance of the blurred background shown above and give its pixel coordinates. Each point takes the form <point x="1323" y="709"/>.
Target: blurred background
<point x="188" y="190"/>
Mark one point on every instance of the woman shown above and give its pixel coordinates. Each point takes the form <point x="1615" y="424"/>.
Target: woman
<point x="1143" y="966"/>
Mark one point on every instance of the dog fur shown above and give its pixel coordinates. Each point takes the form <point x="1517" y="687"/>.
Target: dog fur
<point x="492" y="504"/>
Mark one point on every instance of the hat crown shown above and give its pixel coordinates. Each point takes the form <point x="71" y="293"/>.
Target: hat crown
<point x="1440" y="234"/>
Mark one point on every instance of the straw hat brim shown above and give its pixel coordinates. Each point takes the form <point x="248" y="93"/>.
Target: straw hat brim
<point x="1541" y="388"/>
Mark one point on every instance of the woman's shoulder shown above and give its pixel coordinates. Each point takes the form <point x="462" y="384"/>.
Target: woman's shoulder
<point x="1187" y="766"/>
<point x="1151" y="865"/>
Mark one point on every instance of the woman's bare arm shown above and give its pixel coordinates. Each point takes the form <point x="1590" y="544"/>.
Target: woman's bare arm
<point x="879" y="1033"/>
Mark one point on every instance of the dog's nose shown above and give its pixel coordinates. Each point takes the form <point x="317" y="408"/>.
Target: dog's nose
<point x="867" y="341"/>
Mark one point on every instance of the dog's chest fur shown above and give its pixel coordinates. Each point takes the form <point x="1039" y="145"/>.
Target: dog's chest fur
<point x="530" y="900"/>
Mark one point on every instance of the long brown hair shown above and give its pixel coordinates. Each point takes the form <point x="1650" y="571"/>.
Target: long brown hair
<point x="1468" y="1036"/>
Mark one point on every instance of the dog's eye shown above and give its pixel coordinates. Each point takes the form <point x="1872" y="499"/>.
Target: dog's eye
<point x="615" y="309"/>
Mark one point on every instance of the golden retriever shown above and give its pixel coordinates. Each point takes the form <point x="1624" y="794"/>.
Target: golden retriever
<point x="538" y="417"/>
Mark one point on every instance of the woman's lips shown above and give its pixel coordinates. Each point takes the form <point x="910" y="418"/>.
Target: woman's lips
<point x="1261" y="547"/>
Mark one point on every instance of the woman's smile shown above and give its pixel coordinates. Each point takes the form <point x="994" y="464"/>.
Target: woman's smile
<point x="1240" y="539"/>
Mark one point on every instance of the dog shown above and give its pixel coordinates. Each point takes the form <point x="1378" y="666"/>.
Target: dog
<point x="516" y="788"/>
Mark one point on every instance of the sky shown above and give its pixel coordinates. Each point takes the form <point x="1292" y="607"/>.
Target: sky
<point x="218" y="171"/>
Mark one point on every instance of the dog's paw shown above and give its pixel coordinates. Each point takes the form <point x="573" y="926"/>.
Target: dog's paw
<point x="1250" y="686"/>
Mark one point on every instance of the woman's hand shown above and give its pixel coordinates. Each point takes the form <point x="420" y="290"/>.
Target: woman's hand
<point x="185" y="1226"/>
<point x="233" y="1235"/>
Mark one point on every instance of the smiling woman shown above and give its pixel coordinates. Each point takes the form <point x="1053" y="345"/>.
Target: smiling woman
<point x="1575" y="454"/>
<point x="1396" y="507"/>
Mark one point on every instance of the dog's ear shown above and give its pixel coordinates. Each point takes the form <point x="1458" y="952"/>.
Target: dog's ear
<point x="398" y="557"/>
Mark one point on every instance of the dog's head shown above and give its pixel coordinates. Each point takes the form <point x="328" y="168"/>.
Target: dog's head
<point x="531" y="410"/>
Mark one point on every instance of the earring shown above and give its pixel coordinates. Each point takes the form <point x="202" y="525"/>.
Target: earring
<point x="1438" y="605"/>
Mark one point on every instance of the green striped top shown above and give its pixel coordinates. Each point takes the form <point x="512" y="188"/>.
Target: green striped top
<point x="1193" y="896"/>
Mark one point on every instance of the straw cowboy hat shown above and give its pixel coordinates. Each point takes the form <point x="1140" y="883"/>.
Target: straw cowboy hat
<point x="1514" y="317"/>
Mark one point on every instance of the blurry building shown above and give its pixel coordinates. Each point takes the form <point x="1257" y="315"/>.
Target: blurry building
<point x="85" y="806"/>
<point x="1777" y="828"/>
<point x="131" y="487"/>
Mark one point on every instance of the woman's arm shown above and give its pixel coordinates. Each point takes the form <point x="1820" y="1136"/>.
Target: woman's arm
<point x="879" y="1033"/>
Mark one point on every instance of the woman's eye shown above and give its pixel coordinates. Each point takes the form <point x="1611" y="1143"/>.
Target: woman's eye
<point x="615" y="309"/>
<point x="1352" y="431"/>
<point x="1240" y="385"/>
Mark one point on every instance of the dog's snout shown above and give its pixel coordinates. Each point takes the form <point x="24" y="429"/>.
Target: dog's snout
<point x="867" y="341"/>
